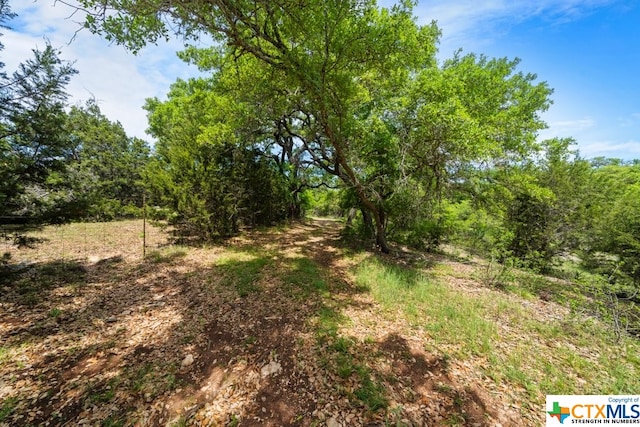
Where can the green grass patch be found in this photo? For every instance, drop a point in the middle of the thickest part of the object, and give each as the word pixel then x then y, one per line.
pixel 113 421
pixel 242 270
pixel 341 355
pixel 328 323
pixel 560 356
pixel 449 317
pixel 4 355
pixel 7 407
pixel 141 378
pixel 542 356
pixel 166 255
pixel 371 392
pixel 152 380
pixel 105 394
pixel 303 278
pixel 54 313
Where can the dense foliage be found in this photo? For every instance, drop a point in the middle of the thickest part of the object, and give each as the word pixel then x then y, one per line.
pixel 355 87
pixel 341 107
pixel 111 163
pixel 209 172
pixel 33 144
pixel 61 163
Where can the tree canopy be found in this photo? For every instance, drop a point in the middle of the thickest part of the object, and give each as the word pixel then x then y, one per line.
pixel 33 143
pixel 346 97
pixel 60 163
pixel 355 86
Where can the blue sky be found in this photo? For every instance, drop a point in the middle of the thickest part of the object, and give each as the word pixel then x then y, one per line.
pixel 587 50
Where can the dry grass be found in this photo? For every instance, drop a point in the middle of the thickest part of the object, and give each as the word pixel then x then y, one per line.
pixel 89 242
pixel 280 327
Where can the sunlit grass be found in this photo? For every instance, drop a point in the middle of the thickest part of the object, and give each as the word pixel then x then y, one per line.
pixel 303 278
pixel 449 317
pixel 337 354
pixel 242 269
pixel 537 355
pixel 167 255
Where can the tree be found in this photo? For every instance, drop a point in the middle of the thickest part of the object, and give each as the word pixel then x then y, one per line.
pixel 211 178
pixel 346 72
pixel 113 161
pixel 616 226
pixel 624 232
pixel 456 124
pixel 33 138
pixel 322 51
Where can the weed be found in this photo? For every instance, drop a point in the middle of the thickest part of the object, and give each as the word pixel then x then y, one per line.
pixel 394 418
pixel 166 255
pixel 171 381
pixel 498 274
pixel 140 379
pixel 339 359
pixel 181 422
pixel 345 366
pixel 304 278
pixel 7 407
pixel 371 392
pixel 468 325
pixel 30 298
pixel 187 338
pixel 328 322
pixel 342 345
pixel 107 394
pixel 54 313
pixel 4 355
pixel 234 421
pixel 455 419
pixel 112 421
pixel 242 270
pixel 449 316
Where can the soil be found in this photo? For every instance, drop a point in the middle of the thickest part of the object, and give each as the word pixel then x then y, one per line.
pixel 108 338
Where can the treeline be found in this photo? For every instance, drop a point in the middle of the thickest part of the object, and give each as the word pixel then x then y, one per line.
pixel 61 162
pixel 339 107
pixel 553 209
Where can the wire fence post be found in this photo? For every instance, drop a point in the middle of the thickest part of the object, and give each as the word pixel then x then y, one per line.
pixel 144 225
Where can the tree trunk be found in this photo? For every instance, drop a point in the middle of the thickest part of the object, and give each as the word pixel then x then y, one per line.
pixel 381 232
pixel 349 176
pixel 367 219
pixel 350 216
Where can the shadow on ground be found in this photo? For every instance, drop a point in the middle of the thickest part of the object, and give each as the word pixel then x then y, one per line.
pixel 242 334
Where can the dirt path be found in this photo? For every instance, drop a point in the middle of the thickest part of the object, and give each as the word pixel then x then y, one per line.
pixel 266 330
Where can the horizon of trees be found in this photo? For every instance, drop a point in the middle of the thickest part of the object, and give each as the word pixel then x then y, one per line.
pixel 338 107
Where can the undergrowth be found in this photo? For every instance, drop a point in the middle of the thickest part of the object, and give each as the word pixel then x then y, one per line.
pixel 572 355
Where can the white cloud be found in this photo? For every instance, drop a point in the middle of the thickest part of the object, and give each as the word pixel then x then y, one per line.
pixel 564 128
pixel 578 125
pixel 630 121
pixel 474 23
pixel 119 80
pixel 628 150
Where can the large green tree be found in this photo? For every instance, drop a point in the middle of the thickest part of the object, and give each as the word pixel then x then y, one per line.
pixel 33 138
pixel 206 168
pixel 112 161
pixel 329 53
pixel 456 123
pixel 615 209
pixel 357 86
